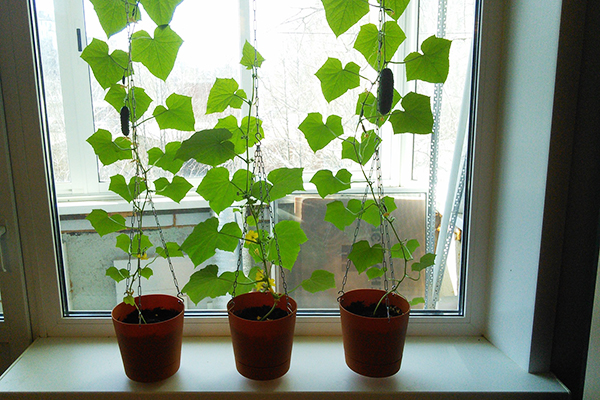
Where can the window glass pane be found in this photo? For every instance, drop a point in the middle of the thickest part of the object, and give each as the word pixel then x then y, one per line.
pixel 295 40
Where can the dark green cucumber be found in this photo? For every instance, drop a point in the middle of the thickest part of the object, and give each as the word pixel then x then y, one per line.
pixel 385 92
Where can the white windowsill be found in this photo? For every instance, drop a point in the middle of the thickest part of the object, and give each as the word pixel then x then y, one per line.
pixel 432 368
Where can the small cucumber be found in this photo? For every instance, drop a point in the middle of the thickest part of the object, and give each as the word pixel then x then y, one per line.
pixel 385 92
pixel 125 120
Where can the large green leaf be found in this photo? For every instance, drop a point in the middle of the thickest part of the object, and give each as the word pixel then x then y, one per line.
pixel 224 93
pixel 327 183
pixel 210 146
pixel 172 249
pixel 319 280
pixel 285 181
pixel 166 160
pixel 109 151
pixel 341 15
pixel 117 275
pixel 367 43
pixel 243 136
pixel 219 190
pixel 427 260
pixel 361 152
pixel 175 190
pixel 206 238
pixel 107 68
pixel 335 80
pixel 250 55
pixel 138 245
pixel 405 250
pixel 395 8
pixel 117 97
pixel 158 54
pixel 207 283
pixel 364 256
pixel 416 117
pixel 339 215
pixel 289 238
pixel 431 66
pixel 179 114
pixel 370 211
pixel 104 223
pixel 113 14
pixel 161 11
pixel 129 191
pixel 319 134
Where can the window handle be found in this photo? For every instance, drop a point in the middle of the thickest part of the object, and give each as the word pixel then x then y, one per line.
pixel 2 232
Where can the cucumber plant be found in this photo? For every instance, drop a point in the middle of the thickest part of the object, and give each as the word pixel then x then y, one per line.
pixel 116 72
pixel 250 190
pixel 407 113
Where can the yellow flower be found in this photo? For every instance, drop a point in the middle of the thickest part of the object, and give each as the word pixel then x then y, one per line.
pixel 263 283
pixel 251 236
pixel 142 256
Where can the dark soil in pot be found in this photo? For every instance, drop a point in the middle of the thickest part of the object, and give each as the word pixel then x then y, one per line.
pixel 154 315
pixel 372 311
pixel 257 313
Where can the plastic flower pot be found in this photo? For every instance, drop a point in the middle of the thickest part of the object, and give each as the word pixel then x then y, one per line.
pixel 150 352
pixel 373 346
pixel 262 349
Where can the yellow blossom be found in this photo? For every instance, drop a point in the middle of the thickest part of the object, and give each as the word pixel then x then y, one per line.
pixel 263 284
pixel 251 236
pixel 142 256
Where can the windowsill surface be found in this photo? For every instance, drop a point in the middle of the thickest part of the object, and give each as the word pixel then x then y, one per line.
pixel 432 368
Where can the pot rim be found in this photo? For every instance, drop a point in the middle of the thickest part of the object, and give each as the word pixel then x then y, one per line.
pixel 399 296
pixel 122 304
pixel 291 312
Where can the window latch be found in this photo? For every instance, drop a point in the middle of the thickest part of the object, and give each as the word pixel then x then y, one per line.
pixel 2 232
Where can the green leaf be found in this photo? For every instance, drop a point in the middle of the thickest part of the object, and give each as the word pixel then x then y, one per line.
pixel 341 15
pixel 431 66
pixel 107 68
pixel 112 14
pixel 206 238
pixel 240 133
pixel 335 80
pixel 117 274
pixel 127 191
pixel 206 283
pixel 285 181
pixel 395 8
pixel 218 189
pixel 367 43
pixel 405 250
pixel 250 55
pixel 123 243
pixel 224 93
pixel 319 280
pixel 173 249
pixel 374 272
pixel 210 146
pixel 361 152
pixel 166 160
pixel 366 106
pixel 117 97
pixel 416 301
pixel 364 256
pixel 179 114
pixel 146 272
pixel 289 237
pixel 175 190
pixel 339 215
pixel 319 134
pixel 327 184
pixel 104 223
pixel 140 244
pixel 426 261
pixel 158 54
pixel 108 151
pixel 161 11
pixel 416 117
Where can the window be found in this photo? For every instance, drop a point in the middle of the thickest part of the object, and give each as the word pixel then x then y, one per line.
pixel 427 180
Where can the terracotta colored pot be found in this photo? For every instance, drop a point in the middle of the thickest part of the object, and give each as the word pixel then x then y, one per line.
pixel 150 352
pixel 373 346
pixel 262 349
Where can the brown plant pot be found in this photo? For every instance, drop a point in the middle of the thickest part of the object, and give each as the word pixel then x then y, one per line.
pixel 150 352
pixel 373 346
pixel 262 349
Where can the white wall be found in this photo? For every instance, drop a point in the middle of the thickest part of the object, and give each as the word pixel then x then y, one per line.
pixel 530 47
pixel 592 373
